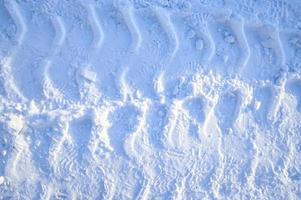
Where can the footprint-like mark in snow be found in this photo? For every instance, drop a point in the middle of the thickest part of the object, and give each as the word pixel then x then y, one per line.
pixel 227 110
pixel 156 121
pixel 187 46
pixel 62 154
pixel 86 78
pixel 176 129
pixel 165 20
pixel 265 176
pixel 28 61
pixel 49 89
pixel 115 44
pixel 231 47
pixel 124 122
pixel 291 42
pixel 128 14
pixel 197 110
pixel 7 46
pixel 20 163
pixel 76 34
pixel 267 54
pixel 263 97
pixel 41 143
pixel 294 87
pixel 153 48
pixel 80 131
pixel 21 29
pixel 7 32
pixel 7 148
pixel 195 107
pixel 98 33
pixel 44 137
pixel 18 18
pixel 206 43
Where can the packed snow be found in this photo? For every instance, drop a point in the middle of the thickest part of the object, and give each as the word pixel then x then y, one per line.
pixel 150 99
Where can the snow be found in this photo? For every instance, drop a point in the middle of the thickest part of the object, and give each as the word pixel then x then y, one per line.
pixel 150 99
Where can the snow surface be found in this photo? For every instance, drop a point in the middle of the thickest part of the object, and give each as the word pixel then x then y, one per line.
pixel 150 99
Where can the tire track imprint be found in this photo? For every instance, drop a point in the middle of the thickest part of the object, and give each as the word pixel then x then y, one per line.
pixel 127 12
pixel 15 12
pixel 209 39
pixel 96 26
pixel 166 23
pixel 86 78
pixel 142 44
pixel 166 107
pixel 73 51
pixel 49 90
pixel 227 29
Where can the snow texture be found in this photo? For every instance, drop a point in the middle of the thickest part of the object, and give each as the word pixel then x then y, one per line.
pixel 150 99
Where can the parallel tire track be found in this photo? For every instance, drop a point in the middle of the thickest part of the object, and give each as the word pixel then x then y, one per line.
pixel 138 142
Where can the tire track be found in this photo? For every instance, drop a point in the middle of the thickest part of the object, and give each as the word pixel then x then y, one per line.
pixel 127 12
pixel 139 76
pixel 60 35
pixel 135 46
pixel 227 30
pixel 238 27
pixel 267 55
pixel 147 64
pixel 200 37
pixel 28 64
pixel 114 51
pixel 15 12
pixel 10 84
pixel 74 51
pixel 164 19
pixel 86 78
pixel 49 90
pixel 167 25
pixel 211 44
pixel 98 33
pixel 180 69
pixel 174 86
